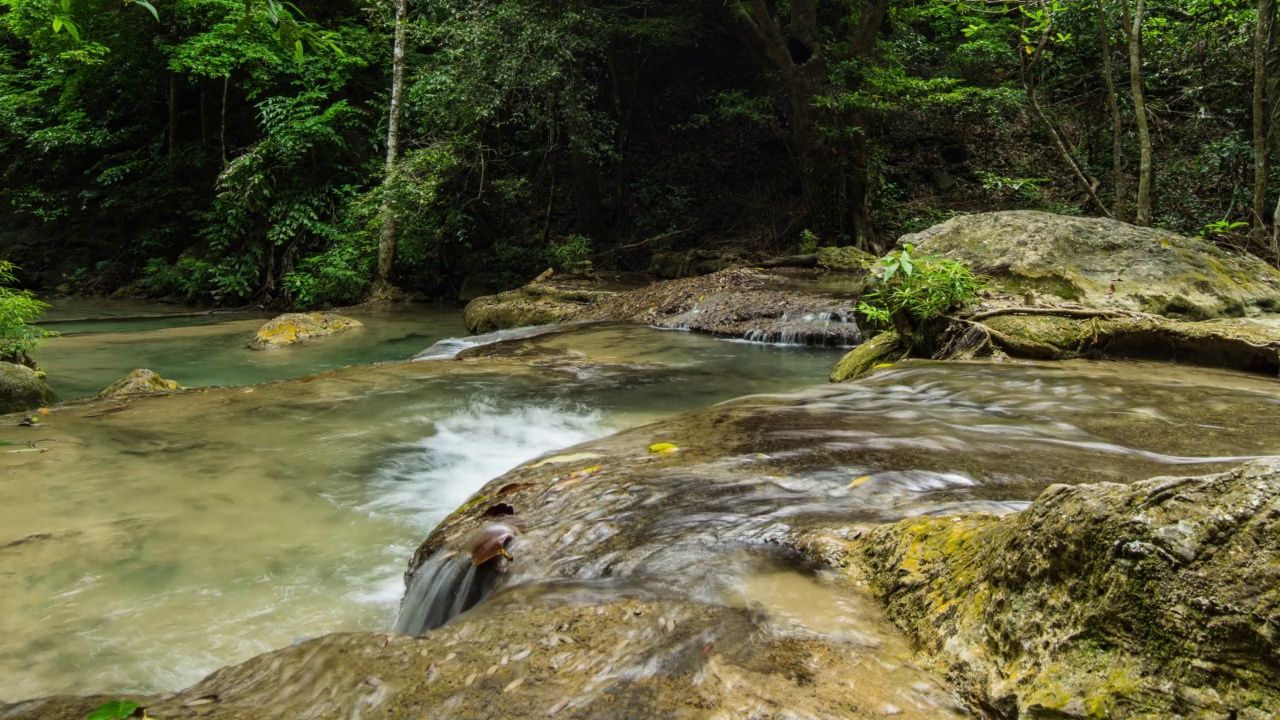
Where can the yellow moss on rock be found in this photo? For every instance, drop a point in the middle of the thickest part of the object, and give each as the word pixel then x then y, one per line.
pixel 296 328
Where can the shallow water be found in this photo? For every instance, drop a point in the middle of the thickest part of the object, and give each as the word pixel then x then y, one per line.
pixel 213 349
pixel 162 538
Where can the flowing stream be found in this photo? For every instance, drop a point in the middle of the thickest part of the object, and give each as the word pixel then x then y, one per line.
pixel 158 539
pixel 162 538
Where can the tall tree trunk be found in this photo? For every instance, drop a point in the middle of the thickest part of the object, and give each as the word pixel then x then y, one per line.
pixel 1117 124
pixel 204 120
pixel 173 113
pixel 1263 39
pixel 387 238
pixel 1146 173
pixel 836 194
pixel 222 128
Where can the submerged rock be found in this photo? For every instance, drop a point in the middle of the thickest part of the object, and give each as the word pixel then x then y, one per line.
pixel 296 328
pixel 139 382
pixel 22 388
pixel 1105 264
pixel 1159 599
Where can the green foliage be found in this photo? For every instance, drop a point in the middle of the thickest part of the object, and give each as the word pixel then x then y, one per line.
pixel 1220 227
pixel 808 242
pixel 572 252
pixel 921 287
pixel 18 308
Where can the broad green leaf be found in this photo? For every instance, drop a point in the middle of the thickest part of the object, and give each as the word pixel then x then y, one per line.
pixel 889 271
pixel 148 6
pixel 71 28
pixel 114 710
pixel 297 50
pixel 57 24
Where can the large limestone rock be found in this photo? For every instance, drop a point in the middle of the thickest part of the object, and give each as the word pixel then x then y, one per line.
pixel 1159 599
pixel 22 389
pixel 1106 264
pixel 139 382
pixel 296 328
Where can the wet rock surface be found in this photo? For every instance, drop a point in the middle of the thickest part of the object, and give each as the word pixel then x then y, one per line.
pixel 139 382
pixel 22 389
pixel 297 328
pixel 741 302
pixel 1156 599
pixel 1105 264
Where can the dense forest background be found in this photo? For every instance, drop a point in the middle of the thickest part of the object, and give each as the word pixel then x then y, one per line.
pixel 235 152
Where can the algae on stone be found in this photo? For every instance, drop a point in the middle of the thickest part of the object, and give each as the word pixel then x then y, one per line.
pixel 1159 599
pixel 139 382
pixel 21 388
pixel 862 359
pixel 1106 264
pixel 296 328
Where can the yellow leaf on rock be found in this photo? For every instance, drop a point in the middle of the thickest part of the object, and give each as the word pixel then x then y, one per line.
pixel 858 481
pixel 663 448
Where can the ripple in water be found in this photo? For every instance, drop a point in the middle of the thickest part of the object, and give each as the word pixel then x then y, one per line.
pixel 430 478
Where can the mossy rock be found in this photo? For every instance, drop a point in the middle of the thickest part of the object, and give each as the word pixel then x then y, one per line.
pixel 1106 264
pixel 537 303
pixel 22 388
pixel 846 259
pixel 1238 344
pixel 862 359
pixel 139 382
pixel 1158 599
pixel 297 328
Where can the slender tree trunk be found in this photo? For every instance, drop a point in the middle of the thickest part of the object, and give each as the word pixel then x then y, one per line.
pixel 204 120
pixel 1262 40
pixel 387 238
pixel 222 129
pixel 173 114
pixel 1146 172
pixel 1028 63
pixel 1117 125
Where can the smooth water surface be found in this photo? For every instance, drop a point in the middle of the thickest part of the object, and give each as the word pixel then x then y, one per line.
pixel 161 538
pixel 213 349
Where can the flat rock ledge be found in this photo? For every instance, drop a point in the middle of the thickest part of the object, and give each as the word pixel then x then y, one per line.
pixel 297 328
pixel 740 302
pixel 1159 599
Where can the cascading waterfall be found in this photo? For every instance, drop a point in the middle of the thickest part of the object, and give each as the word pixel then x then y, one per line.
pixel 824 328
pixel 450 582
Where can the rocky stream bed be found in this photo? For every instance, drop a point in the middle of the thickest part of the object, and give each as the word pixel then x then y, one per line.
pixel 991 527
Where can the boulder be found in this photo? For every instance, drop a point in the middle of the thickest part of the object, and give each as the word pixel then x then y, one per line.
pixel 1159 599
pixel 846 259
pixel 296 328
pixel 538 303
pixel 1105 264
pixel 22 388
pixel 139 382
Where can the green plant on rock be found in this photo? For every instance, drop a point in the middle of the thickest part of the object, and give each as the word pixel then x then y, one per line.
pixel 18 337
pixel 914 289
pixel 118 710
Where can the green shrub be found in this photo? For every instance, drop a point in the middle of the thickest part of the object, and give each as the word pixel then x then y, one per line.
pixel 339 276
pixel 917 289
pixel 18 337
pixel 808 242
pixel 575 250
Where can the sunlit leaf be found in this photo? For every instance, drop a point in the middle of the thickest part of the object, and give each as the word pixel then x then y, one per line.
pixel 663 448
pixel 148 6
